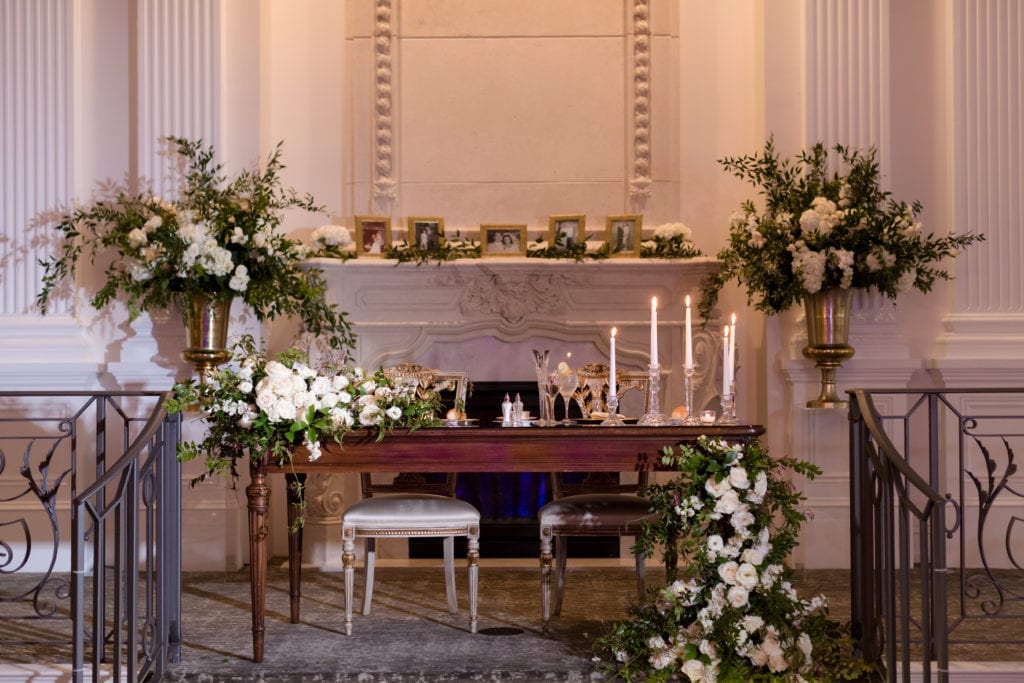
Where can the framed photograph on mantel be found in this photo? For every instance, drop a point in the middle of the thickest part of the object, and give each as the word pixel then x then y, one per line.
pixel 503 240
pixel 566 230
pixel 426 232
pixel 373 235
pixel 623 234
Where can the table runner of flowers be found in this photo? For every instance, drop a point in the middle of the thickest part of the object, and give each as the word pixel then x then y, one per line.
pixel 256 406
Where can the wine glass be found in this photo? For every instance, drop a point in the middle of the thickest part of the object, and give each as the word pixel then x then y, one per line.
pixel 551 393
pixel 567 383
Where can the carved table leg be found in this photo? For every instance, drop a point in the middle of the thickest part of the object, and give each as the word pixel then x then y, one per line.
pixel 295 483
pixel 258 494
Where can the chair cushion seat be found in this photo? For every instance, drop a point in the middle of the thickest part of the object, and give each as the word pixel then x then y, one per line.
pixel 607 513
pixel 409 511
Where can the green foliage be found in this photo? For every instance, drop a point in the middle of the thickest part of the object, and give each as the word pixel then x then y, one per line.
pixel 820 228
pixel 217 239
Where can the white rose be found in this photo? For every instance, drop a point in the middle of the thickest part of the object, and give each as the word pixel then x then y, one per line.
pixel 727 570
pixel 394 412
pixel 717 488
pixel 137 237
pixel 329 400
pixel 738 478
pixel 245 386
pixel 694 669
pixel 339 382
pixel 153 223
pixel 758 658
pixel 277 369
pixel 320 386
pixel 752 622
pixel 738 596
pixel 746 575
pixel 728 503
pixel 771 646
pixel 656 643
pixel 753 556
pixel 715 543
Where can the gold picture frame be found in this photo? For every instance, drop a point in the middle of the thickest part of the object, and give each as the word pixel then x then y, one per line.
pixel 497 240
pixel 571 225
pixel 425 232
pixel 623 234
pixel 373 235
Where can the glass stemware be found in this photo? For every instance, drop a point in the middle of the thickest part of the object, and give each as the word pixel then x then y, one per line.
pixel 551 393
pixel 567 383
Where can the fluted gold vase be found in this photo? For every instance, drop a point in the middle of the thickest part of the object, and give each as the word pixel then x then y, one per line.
pixel 828 335
pixel 206 320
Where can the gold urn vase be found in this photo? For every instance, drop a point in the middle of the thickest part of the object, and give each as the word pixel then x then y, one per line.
pixel 828 333
pixel 206 321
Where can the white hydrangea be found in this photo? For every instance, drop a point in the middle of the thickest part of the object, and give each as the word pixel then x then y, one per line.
pixel 332 236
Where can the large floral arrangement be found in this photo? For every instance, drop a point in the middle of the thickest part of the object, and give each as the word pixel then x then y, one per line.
pixel 217 239
pixel 256 406
pixel 819 229
pixel 733 614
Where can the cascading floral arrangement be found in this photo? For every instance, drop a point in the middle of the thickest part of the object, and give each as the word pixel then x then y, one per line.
pixel 256 406
pixel 733 613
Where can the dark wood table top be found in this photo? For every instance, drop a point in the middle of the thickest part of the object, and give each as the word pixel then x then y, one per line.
pixel 495 449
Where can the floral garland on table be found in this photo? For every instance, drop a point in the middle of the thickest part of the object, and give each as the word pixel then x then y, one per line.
pixel 448 250
pixel 218 239
pixel 256 406
pixel 734 614
pixel 821 229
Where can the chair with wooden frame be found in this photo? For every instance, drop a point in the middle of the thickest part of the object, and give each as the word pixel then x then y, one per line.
pixel 599 505
pixel 411 506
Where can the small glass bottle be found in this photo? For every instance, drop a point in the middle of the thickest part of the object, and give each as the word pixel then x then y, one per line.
pixel 506 412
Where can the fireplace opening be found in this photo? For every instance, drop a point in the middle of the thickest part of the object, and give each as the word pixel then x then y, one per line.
pixel 508 502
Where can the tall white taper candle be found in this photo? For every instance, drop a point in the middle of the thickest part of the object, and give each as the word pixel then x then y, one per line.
pixel 725 360
pixel 611 366
pixel 689 337
pixel 654 330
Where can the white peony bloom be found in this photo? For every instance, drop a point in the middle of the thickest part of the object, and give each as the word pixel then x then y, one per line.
pixel 339 382
pixel 728 503
pixel 320 386
pixel 277 369
pixel 753 556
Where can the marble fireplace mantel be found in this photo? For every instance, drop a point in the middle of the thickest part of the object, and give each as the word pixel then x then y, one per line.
pixel 485 316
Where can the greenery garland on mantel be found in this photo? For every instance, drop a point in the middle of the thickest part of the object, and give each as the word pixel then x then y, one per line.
pixel 672 241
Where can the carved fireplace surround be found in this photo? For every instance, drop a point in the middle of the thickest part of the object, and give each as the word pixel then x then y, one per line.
pixel 485 316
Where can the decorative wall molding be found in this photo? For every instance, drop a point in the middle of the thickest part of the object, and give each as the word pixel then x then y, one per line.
pixel 178 82
pixel 847 66
pixel 385 189
pixel 36 144
pixel 640 184
pixel 988 172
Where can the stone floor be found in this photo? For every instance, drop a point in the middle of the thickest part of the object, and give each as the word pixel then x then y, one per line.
pixel 410 636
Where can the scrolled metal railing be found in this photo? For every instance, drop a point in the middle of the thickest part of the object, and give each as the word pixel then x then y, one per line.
pixel 102 466
pixel 932 497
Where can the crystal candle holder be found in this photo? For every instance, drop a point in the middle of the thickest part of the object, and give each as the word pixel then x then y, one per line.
pixel 613 419
pixel 653 417
pixel 691 419
pixel 728 416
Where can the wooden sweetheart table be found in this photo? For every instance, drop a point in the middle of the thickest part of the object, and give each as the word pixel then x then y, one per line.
pixel 460 449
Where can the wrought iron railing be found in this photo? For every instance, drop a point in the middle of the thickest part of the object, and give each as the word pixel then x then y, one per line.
pixel 90 530
pixel 937 530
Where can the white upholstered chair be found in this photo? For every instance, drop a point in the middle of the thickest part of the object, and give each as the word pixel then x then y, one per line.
pixel 413 506
pixel 599 505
